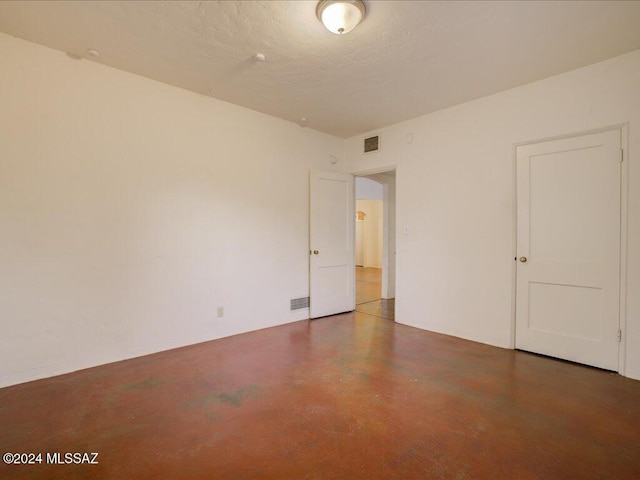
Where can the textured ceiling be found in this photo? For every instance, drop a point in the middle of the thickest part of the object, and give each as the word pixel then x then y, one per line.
pixel 406 59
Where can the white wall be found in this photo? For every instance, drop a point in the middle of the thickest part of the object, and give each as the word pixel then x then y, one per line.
pixel 130 210
pixel 389 237
pixel 455 196
pixel 367 189
pixel 372 233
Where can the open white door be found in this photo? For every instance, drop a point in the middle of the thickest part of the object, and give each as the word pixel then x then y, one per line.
pixel 332 267
pixel 568 229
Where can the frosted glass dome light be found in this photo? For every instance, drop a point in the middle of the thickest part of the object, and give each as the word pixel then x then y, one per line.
pixel 340 16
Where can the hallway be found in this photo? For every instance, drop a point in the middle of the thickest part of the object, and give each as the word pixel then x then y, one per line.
pixel 368 288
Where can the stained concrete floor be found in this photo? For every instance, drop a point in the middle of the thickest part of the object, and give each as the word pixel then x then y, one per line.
pixel 352 396
pixel 368 294
pixel 368 284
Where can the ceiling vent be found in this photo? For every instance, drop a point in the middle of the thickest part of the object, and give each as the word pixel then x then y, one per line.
pixel 371 144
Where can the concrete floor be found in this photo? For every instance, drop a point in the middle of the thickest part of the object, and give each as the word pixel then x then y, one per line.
pixel 368 293
pixel 352 396
pixel 368 284
pixel 346 397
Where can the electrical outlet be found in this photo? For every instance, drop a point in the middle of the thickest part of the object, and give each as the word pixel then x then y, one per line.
pixel 220 312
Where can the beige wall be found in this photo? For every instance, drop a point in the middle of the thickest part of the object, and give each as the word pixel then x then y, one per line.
pixel 130 210
pixel 456 191
pixel 371 232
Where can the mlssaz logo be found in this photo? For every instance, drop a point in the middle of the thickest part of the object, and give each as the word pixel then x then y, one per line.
pixel 76 458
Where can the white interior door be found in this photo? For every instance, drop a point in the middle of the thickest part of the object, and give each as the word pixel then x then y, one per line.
pixel 568 247
pixel 332 267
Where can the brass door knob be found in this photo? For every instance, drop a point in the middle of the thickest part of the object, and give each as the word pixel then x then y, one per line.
pixel 523 259
pixel 315 252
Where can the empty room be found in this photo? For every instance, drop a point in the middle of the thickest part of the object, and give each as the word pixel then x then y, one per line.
pixel 336 239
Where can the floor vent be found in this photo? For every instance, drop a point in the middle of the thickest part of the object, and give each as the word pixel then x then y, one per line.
pixel 299 303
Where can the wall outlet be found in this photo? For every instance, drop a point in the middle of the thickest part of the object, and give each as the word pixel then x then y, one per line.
pixel 220 312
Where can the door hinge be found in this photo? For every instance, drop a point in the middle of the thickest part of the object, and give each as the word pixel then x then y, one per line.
pixel 621 155
pixel 619 335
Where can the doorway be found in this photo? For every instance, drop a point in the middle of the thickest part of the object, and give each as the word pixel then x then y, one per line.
pixel 375 244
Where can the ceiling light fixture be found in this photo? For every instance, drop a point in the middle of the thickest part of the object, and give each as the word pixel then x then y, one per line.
pixel 340 16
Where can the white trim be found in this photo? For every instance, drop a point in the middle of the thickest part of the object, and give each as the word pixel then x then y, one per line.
pixel 618 126
pixel 373 171
pixel 624 219
pixel 514 247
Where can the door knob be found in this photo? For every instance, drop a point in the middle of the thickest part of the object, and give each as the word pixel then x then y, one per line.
pixel 315 252
pixel 523 259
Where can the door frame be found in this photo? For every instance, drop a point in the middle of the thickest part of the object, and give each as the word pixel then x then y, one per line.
pixel 385 206
pixel 623 128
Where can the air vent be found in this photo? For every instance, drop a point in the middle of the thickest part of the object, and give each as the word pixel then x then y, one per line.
pixel 371 144
pixel 299 303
